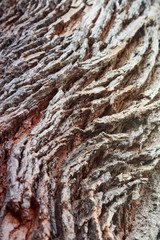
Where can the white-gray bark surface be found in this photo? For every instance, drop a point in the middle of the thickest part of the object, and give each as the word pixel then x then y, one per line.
pixel 79 119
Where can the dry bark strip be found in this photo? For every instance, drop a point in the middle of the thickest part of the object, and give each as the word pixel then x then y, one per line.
pixel 79 119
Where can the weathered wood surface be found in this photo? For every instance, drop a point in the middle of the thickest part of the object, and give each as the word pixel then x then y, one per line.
pixel 80 119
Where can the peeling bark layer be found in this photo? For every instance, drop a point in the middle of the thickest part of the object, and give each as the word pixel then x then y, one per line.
pixel 80 113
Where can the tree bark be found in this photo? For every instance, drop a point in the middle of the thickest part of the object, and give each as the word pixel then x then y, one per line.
pixel 80 113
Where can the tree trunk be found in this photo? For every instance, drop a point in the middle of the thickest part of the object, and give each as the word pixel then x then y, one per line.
pixel 80 113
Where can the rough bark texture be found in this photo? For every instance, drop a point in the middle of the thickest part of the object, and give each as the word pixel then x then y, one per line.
pixel 80 119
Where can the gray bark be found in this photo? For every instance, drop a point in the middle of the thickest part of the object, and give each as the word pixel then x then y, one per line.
pixel 80 114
